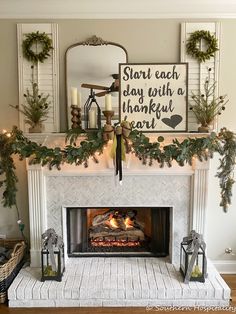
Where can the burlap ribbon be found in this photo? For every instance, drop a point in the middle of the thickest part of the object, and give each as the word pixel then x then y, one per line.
pixel 194 242
pixel 120 135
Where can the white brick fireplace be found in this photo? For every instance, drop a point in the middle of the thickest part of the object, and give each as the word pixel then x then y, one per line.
pixel 183 189
pixel 117 281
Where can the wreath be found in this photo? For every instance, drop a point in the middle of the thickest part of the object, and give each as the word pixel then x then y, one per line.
pixel 37 38
pixel 194 50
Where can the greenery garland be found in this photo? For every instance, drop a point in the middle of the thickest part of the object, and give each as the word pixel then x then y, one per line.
pixel 194 43
pixel 182 152
pixel 37 38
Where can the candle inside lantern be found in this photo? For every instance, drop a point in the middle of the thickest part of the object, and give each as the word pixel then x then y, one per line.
pixel 92 119
pixel 74 96
pixel 108 106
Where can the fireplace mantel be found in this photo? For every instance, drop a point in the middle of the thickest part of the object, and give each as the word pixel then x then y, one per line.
pixel 39 182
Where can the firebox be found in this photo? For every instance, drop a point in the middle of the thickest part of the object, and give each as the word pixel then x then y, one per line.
pixel 123 231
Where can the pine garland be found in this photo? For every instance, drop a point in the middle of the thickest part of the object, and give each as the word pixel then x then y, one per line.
pixel 148 152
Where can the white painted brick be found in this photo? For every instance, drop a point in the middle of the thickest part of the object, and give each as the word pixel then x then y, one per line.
pixel 44 291
pixel 28 289
pixel 117 282
pixel 89 303
pixel 137 293
pixel 161 293
pixel 20 290
pixel 105 293
pixel 145 293
pixel 129 294
pixel 60 290
pixel 83 293
pixel 67 303
pixel 36 290
pixel 52 293
pixel 120 294
pixel 31 303
pixel 12 289
pixel 113 293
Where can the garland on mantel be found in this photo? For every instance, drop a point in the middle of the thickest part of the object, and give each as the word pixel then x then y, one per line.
pixel 15 143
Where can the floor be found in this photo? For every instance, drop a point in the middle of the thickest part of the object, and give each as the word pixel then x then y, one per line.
pixel 120 282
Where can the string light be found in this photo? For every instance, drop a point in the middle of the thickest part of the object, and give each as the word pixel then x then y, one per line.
pixel 4 131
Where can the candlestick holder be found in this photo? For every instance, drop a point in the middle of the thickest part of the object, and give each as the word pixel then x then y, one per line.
pixel 76 117
pixel 108 114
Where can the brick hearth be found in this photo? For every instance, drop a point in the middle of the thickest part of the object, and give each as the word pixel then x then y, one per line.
pixel 117 282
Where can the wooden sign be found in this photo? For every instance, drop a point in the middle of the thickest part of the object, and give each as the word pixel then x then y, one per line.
pixel 153 97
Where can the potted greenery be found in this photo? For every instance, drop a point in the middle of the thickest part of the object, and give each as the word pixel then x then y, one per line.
pixel 35 109
pixel 207 106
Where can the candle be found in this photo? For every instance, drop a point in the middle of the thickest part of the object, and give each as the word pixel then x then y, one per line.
pixel 108 106
pixel 79 99
pixel 74 96
pixel 92 119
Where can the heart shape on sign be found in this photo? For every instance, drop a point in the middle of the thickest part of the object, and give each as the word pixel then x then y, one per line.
pixel 173 121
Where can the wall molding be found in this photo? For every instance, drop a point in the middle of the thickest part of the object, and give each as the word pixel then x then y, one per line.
pixel 225 266
pixel 104 9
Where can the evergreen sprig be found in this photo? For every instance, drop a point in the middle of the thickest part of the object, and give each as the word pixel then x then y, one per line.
pixel 36 108
pixel 226 168
pixel 206 105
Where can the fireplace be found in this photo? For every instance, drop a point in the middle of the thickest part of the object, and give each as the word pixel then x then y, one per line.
pixel 51 193
pixel 123 231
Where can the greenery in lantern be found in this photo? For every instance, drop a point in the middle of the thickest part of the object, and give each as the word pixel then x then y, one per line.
pixel 206 105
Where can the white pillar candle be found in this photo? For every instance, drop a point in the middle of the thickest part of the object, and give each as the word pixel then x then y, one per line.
pixel 108 106
pixel 74 96
pixel 92 119
pixel 79 99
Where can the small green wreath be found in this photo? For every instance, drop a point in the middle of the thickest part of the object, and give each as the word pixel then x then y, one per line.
pixel 37 38
pixel 194 43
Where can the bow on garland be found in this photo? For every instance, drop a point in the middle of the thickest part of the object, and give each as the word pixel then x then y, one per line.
pixel 120 146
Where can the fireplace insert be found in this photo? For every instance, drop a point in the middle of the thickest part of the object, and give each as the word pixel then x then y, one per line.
pixel 122 231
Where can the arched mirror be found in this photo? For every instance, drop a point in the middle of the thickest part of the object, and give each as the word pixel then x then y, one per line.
pixel 93 64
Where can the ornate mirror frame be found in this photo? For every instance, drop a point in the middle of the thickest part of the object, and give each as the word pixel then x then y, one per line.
pixel 93 69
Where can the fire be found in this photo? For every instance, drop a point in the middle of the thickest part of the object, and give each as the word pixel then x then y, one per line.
pixel 128 223
pixel 113 223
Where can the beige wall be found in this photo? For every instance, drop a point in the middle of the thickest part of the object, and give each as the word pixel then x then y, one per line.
pixel 145 41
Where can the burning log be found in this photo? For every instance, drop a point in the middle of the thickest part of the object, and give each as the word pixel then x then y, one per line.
pixel 118 225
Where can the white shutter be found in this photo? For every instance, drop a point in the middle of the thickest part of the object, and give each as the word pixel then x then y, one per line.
pixel 199 71
pixel 46 74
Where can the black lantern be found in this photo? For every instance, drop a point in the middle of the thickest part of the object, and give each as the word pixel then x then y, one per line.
pixel 92 113
pixel 52 256
pixel 193 263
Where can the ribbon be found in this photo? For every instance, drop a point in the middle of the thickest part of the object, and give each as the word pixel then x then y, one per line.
pixel 51 240
pixel 119 148
pixel 194 242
